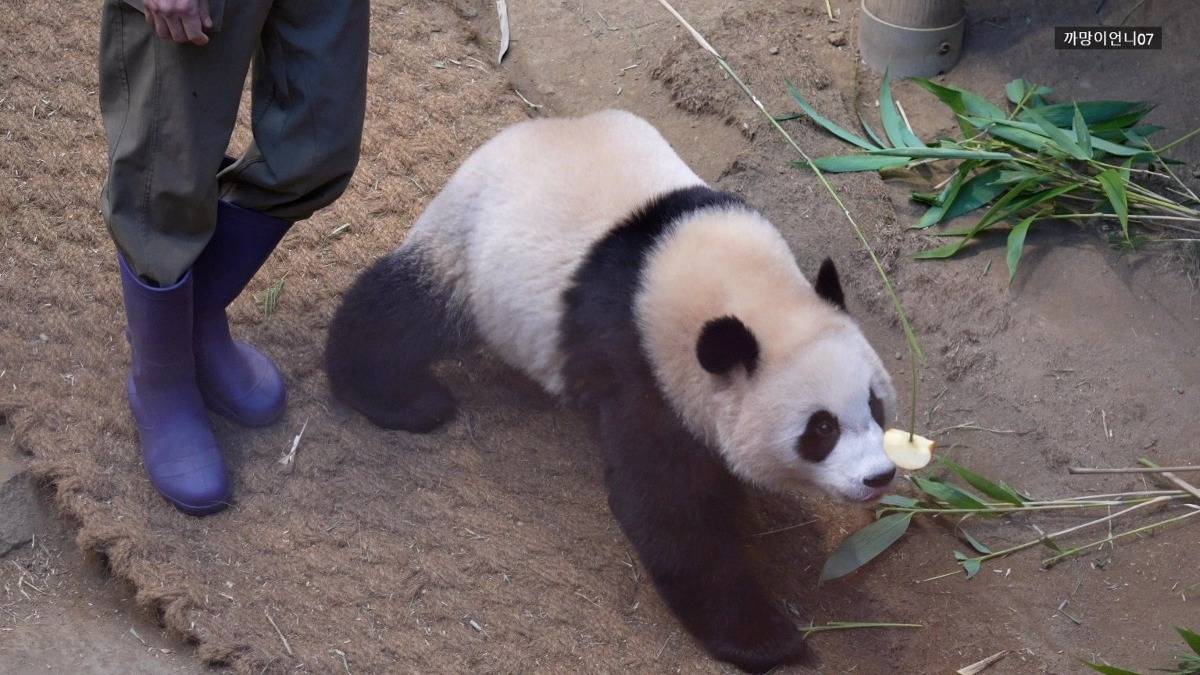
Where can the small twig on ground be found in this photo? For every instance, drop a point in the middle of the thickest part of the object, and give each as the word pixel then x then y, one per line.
pixel 287 647
pixel 980 666
pixel 971 426
pixel 784 528
pixel 663 648
pixel 289 458
pixel 531 104
pixel 851 625
pixel 1062 610
pixel 342 655
pixel 606 23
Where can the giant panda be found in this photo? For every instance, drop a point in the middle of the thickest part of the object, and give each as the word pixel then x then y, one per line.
pixel 585 253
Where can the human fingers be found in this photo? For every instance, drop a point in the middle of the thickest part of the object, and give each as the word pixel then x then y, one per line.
pixel 194 30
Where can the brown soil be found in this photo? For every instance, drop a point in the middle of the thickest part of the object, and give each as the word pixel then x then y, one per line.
pixel 488 546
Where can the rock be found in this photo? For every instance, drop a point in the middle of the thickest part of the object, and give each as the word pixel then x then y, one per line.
pixel 19 508
pixel 773 50
pixel 838 38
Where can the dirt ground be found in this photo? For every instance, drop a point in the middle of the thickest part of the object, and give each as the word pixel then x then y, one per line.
pixel 488 546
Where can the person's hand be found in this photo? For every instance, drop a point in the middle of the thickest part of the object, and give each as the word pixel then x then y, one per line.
pixel 179 20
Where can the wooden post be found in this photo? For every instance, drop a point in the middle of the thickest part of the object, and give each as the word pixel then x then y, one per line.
pixel 911 38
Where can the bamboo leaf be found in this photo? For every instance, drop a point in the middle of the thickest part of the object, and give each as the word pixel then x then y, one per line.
pixel 1016 90
pixel 1015 245
pixel 871 132
pixel 1039 198
pixel 1114 189
pixel 1114 148
pixel 1082 136
pixel 1000 209
pixel 927 198
pixel 1094 112
pixel 940 153
pixel 949 494
pixel 975 193
pixel 851 163
pixel 941 252
pixel 1011 176
pixel 961 101
pixel 979 546
pixel 864 545
pixel 893 125
pixel 1060 137
pixel 991 489
pixel 971 566
pixel 1034 137
pixel 1108 670
pixel 1192 639
pixel 1022 137
pixel 827 123
pixel 899 500
pixel 937 210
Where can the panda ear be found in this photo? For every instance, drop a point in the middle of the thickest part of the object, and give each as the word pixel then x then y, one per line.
pixel 725 343
pixel 828 286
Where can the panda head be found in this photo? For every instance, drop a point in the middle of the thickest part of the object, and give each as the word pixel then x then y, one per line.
pixel 809 411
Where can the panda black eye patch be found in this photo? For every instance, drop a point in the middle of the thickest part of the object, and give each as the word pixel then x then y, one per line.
pixel 820 436
pixel 876 408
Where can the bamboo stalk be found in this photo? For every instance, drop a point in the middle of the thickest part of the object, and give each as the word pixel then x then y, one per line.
pixel 1050 537
pixel 1048 562
pixel 1188 487
pixel 1132 469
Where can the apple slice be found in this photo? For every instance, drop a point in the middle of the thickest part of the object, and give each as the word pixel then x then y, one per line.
pixel 907 451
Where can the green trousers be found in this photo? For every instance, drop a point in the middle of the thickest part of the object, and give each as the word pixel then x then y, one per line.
pixel 169 110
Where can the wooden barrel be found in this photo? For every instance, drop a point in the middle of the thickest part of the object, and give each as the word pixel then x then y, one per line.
pixel 911 38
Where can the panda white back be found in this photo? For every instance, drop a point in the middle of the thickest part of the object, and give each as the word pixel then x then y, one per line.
pixel 516 220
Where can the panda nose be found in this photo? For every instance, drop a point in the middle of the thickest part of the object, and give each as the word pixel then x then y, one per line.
pixel 880 479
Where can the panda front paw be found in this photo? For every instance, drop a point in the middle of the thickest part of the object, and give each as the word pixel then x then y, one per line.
pixel 761 643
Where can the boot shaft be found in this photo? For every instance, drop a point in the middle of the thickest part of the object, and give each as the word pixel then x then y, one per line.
pixel 158 326
pixel 239 246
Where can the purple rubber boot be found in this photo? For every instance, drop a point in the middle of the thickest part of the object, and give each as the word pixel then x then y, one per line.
pixel 236 380
pixel 178 447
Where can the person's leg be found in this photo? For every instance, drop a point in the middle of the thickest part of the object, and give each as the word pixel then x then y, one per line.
pixel 309 97
pixel 169 110
pixel 168 113
pixel 310 84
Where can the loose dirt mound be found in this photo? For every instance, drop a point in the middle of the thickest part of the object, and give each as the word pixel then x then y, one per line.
pixel 488 546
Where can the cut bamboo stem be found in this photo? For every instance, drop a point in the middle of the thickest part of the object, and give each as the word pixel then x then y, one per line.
pixel 1133 469
pixel 1166 473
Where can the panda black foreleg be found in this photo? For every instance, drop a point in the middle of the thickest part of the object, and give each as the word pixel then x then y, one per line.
pixel 390 327
pixel 681 508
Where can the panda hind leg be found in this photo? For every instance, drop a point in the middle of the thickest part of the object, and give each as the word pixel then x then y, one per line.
pixel 393 324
